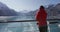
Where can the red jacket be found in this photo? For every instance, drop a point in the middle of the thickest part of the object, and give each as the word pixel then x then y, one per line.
pixel 41 17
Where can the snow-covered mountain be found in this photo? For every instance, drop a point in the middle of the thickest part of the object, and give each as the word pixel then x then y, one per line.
pixel 5 11
pixel 53 12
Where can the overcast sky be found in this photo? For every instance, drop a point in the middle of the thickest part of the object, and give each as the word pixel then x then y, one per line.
pixel 19 5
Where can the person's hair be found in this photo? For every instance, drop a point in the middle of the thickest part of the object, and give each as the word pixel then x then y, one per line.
pixel 41 7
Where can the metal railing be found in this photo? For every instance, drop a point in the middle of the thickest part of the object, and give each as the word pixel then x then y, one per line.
pixel 51 21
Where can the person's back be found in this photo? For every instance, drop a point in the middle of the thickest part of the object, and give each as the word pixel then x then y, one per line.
pixel 41 19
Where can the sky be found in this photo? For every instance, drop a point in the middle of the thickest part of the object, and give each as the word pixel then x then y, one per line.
pixel 19 5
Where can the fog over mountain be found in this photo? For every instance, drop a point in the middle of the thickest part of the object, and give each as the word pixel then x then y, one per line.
pixel 5 11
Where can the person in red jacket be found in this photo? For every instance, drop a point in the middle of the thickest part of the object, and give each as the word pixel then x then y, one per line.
pixel 41 19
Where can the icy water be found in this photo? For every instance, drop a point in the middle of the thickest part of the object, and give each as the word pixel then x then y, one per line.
pixel 19 27
pixel 26 26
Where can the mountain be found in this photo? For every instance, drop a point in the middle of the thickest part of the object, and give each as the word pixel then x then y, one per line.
pixel 54 11
pixel 28 15
pixel 6 11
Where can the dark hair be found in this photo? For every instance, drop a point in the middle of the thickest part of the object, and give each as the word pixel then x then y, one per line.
pixel 41 7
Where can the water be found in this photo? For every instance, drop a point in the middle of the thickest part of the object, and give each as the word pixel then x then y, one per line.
pixel 54 27
pixel 18 27
pixel 25 26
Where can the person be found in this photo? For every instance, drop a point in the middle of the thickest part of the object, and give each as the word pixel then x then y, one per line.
pixel 41 19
